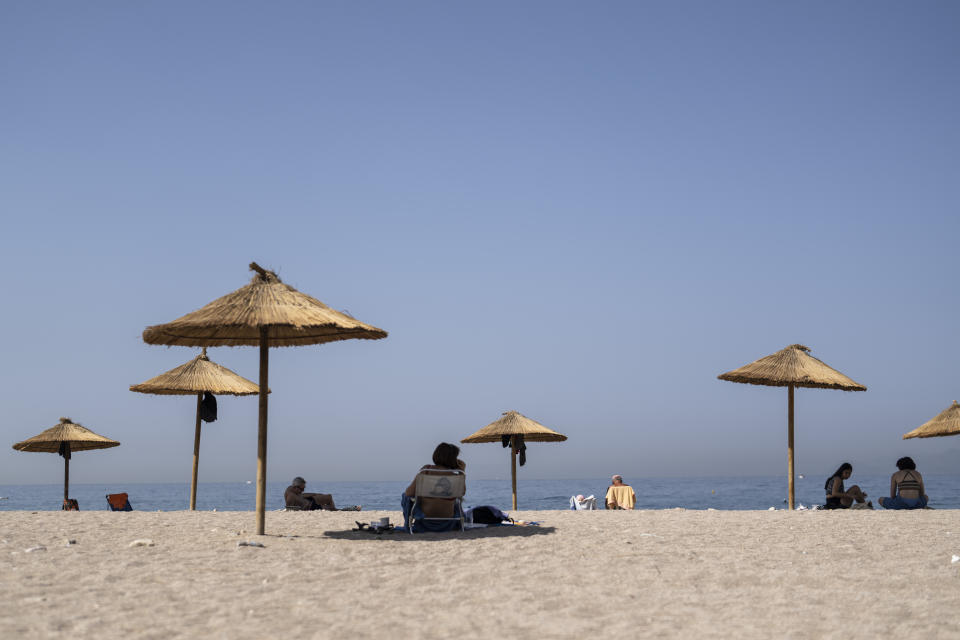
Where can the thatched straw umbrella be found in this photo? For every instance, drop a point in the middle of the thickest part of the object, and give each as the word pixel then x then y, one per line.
pixel 65 438
pixel 947 423
pixel 265 313
pixel 518 429
pixel 198 376
pixel 791 367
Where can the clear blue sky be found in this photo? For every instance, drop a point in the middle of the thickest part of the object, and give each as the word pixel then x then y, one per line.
pixel 582 212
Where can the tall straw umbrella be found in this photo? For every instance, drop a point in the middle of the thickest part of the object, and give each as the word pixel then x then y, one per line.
pixel 265 313
pixel 65 438
pixel 946 423
pixel 791 367
pixel 513 425
pixel 198 376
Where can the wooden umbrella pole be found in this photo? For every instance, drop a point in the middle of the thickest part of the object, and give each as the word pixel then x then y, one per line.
pixel 262 430
pixel 513 468
pixel 790 487
pixel 196 456
pixel 66 471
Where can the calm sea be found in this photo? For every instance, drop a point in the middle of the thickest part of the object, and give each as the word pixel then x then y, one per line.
pixel 653 493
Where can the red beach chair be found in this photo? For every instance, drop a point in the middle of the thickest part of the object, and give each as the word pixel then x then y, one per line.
pixel 118 502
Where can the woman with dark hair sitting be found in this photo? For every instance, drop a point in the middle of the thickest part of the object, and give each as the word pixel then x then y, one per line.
pixel 906 487
pixel 837 496
pixel 444 459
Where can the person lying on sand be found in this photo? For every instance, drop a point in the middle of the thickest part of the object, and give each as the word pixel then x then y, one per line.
pixel 296 498
pixel 837 496
pixel 906 487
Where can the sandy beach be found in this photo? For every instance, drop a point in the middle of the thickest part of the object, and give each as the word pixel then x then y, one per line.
pixel 674 573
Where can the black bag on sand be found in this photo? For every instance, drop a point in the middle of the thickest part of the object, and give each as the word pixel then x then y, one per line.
pixel 489 515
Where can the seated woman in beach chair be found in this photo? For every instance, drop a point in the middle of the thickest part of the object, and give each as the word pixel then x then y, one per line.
pixel 418 510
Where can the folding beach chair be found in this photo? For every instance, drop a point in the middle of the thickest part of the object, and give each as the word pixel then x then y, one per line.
pixel 69 504
pixel 442 485
pixel 118 502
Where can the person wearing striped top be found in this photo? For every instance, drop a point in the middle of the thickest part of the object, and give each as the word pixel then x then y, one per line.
pixel 906 487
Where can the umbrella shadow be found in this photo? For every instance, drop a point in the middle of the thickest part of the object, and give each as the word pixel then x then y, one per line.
pixel 469 534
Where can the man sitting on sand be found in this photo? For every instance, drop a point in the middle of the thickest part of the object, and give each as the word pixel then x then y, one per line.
pixel 619 495
pixel 296 498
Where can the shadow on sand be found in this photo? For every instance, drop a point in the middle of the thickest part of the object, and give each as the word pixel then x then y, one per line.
pixel 469 534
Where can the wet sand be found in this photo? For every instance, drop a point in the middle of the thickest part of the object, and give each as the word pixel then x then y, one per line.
pixel 674 573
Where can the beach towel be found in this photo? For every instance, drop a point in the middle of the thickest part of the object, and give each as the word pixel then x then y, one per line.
pixel 521 447
pixel 623 496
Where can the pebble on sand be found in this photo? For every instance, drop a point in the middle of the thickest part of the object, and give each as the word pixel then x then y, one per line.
pixel 143 542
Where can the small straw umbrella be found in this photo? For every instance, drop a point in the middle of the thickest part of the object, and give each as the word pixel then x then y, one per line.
pixel 265 313
pixel 946 423
pixel 198 376
pixel 791 367
pixel 65 438
pixel 513 425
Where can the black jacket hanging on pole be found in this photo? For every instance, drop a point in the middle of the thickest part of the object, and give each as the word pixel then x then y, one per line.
pixel 208 407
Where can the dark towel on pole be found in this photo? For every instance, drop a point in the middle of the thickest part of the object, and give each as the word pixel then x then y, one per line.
pixel 208 407
pixel 521 447
pixel 522 450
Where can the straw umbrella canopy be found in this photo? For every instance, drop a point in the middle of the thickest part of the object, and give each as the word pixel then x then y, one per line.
pixel 946 423
pixel 792 367
pixel 198 376
pixel 265 313
pixel 65 438
pixel 518 428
